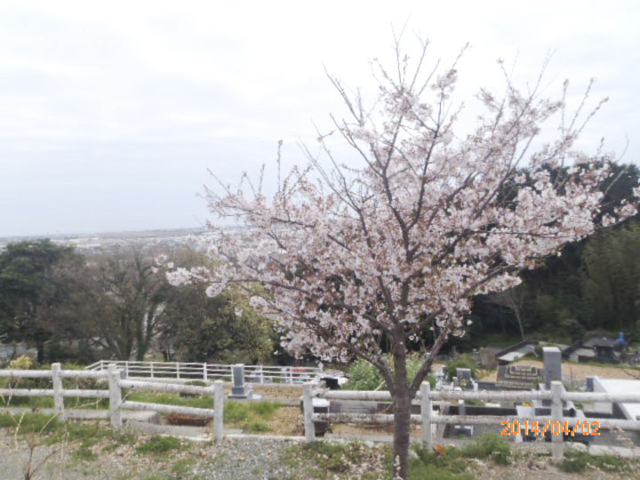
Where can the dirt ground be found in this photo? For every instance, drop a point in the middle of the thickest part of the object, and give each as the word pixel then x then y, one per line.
pixel 577 371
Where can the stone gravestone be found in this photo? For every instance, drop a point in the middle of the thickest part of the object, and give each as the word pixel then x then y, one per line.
pixel 487 359
pixel 552 357
pixel 463 373
pixel 239 389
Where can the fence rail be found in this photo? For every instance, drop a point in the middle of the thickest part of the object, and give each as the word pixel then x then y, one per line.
pixel 117 402
pixel 427 417
pixel 254 374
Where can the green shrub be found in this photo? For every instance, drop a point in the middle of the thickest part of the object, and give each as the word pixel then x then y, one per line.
pixel 364 376
pixel 461 361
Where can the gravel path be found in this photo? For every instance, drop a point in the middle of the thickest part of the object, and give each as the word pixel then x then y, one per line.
pixel 231 460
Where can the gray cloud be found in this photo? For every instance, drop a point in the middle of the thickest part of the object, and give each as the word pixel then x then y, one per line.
pixel 110 114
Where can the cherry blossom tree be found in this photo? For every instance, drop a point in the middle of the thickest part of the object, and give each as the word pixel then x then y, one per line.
pixel 362 258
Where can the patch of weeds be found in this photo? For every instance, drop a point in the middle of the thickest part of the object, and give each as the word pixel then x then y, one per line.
pixel 171 399
pixel 576 461
pixel 489 446
pixel 258 470
pixel 86 433
pixel 250 416
pixel 29 422
pixel 325 460
pixel 84 454
pixel 125 438
pixel 265 410
pixel 428 465
pixel 183 467
pixel 235 412
pixel 78 402
pixel 451 465
pixel 158 445
pixel 196 383
pixel 255 426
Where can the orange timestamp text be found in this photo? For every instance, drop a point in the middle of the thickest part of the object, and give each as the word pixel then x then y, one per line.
pixel 536 428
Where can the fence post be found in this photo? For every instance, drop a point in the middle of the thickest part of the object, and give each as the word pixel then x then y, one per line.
pixel 178 370
pixel 151 369
pixel 218 410
pixel 115 398
pixel 556 416
pixel 204 371
pixel 58 398
pixel 126 369
pixel 307 409
pixel 425 410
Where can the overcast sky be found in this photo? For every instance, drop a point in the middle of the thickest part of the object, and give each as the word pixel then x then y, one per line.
pixel 112 112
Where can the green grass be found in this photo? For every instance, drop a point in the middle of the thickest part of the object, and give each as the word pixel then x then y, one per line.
pixel 50 431
pixel 236 412
pixel 250 416
pixel 576 461
pixel 157 445
pixel 30 422
pixel 170 399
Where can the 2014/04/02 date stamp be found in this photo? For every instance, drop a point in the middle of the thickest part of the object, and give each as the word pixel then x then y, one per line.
pixel 581 427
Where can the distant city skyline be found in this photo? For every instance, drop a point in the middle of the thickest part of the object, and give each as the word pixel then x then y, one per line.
pixel 111 113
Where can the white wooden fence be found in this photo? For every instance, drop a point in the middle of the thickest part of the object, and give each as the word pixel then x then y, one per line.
pixel 427 418
pixel 255 374
pixel 113 376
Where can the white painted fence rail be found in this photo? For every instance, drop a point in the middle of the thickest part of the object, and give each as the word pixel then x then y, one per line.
pixel 113 376
pixel 254 374
pixel 427 418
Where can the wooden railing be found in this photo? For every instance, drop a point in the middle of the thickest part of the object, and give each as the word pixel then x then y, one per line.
pixel 254 374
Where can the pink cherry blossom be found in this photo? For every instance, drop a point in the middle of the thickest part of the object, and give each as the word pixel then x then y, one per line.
pixel 355 260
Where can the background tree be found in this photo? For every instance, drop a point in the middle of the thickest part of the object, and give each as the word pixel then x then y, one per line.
pixel 33 285
pixel 513 301
pixel 128 297
pixel 381 250
pixel 223 329
pixel 611 280
pixel 557 297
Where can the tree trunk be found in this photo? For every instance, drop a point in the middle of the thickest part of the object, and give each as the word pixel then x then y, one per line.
pixel 40 352
pixel 402 414
pixel 516 311
pixel 401 434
